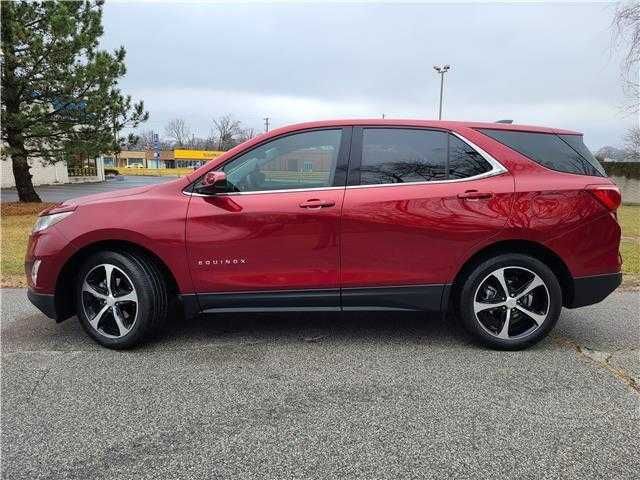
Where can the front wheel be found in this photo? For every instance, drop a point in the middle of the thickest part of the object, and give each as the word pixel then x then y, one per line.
pixel 120 297
pixel 510 301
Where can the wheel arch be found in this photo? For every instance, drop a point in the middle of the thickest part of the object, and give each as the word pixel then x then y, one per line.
pixel 525 247
pixel 64 290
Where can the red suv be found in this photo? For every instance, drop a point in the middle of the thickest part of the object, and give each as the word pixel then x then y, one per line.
pixel 502 224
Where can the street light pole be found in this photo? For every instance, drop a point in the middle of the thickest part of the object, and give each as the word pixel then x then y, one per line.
pixel 441 69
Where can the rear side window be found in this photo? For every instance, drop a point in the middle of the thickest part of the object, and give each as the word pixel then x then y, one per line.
pixel 564 153
pixel 397 155
pixel 464 160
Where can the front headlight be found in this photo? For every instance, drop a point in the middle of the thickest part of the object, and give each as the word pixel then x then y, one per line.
pixel 46 221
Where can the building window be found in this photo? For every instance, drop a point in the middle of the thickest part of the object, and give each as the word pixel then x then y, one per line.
pixel 189 163
pixel 135 162
pixel 82 168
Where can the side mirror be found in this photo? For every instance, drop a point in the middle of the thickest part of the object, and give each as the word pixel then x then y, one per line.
pixel 212 183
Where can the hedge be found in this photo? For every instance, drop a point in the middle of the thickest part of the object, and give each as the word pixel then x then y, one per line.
pixel 623 169
pixel 150 172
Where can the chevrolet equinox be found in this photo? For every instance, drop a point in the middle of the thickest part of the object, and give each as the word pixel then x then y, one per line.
pixel 500 224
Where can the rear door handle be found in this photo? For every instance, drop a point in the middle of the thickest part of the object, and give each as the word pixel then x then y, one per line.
pixel 475 195
pixel 317 203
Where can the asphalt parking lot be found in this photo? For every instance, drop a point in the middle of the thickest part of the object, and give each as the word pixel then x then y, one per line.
pixel 321 396
pixel 59 193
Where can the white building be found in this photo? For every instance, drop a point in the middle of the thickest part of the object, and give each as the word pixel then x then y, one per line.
pixel 58 173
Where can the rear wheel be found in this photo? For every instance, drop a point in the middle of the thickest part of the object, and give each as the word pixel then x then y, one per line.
pixel 510 301
pixel 120 297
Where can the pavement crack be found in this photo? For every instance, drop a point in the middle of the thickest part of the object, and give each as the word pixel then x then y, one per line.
pixel 43 376
pixel 315 338
pixel 38 382
pixel 602 359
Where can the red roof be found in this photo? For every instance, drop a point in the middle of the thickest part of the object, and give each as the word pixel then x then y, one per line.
pixel 422 123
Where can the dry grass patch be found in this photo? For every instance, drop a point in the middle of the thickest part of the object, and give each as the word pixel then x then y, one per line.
pixel 12 209
pixel 16 220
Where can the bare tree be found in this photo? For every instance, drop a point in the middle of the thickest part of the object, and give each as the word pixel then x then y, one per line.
pixel 226 129
pixel 626 30
pixel 245 134
pixel 632 144
pixel 145 139
pixel 178 131
pixel 199 143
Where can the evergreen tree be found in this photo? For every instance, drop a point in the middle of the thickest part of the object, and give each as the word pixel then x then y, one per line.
pixel 60 96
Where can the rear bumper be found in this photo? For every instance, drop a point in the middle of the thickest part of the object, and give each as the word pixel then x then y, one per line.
pixel 44 302
pixel 593 289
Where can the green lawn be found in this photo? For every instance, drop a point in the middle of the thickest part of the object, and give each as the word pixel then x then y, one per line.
pixel 17 221
pixel 629 218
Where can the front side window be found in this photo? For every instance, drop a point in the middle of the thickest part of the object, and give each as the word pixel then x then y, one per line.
pixel 301 160
pixel 396 155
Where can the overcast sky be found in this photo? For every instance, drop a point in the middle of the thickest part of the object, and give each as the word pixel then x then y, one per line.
pixel 546 64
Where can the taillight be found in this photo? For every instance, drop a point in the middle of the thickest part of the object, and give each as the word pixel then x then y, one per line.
pixel 608 195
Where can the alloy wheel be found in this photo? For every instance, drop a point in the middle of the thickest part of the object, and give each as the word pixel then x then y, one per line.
pixel 511 303
pixel 109 300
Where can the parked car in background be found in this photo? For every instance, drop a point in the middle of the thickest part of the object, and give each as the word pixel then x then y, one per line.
pixel 501 224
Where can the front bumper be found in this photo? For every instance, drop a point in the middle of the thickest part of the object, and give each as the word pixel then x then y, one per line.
pixel 593 289
pixel 44 302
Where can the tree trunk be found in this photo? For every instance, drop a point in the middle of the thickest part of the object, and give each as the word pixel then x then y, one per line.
pixel 12 131
pixel 24 185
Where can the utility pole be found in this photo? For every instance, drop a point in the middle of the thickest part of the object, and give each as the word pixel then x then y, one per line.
pixel 156 149
pixel 115 135
pixel 383 116
pixel 266 124
pixel 441 69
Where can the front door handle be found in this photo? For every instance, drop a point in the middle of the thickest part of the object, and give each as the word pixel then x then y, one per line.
pixel 317 203
pixel 475 195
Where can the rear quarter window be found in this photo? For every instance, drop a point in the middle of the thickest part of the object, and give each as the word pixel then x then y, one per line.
pixel 563 153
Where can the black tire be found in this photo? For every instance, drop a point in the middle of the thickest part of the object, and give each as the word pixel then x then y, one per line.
pixel 484 274
pixel 148 285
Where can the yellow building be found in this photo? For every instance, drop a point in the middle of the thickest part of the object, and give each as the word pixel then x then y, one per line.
pixel 177 158
pixel 193 158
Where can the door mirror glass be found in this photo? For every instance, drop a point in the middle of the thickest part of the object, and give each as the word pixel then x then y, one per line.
pixel 212 183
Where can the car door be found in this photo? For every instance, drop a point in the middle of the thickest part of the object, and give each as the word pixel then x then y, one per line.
pixel 270 241
pixel 417 200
